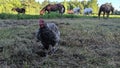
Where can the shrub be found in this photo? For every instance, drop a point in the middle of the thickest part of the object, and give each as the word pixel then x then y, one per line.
pixel 117 12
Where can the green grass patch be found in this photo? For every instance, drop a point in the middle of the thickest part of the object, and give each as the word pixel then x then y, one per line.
pixel 52 15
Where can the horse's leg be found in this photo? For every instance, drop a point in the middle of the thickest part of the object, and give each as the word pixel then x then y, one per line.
pixel 24 12
pixel 60 11
pixel 18 15
pixel 103 14
pixel 108 14
pixel 48 13
pixel 99 14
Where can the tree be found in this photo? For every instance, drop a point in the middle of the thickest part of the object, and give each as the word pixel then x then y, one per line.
pixel 7 5
pixel 84 3
pixel 45 2
pixel 31 5
pixel 65 4
pixel 81 7
pixel 93 4
pixel 71 5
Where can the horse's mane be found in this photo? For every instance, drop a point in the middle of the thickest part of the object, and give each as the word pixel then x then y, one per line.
pixel 106 5
pixel 45 7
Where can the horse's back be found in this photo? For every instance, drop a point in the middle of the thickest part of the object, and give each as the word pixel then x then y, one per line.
pixel 88 10
pixel 53 7
pixel 19 10
pixel 105 7
pixel 76 10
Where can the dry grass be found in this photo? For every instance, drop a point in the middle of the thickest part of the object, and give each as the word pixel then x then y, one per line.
pixel 85 43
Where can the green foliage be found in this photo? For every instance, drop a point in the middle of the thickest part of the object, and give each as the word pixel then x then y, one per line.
pixel 84 3
pixel 65 4
pixel 117 12
pixel 47 16
pixel 33 8
pixel 93 4
pixel 45 2
pixel 52 15
pixel 18 16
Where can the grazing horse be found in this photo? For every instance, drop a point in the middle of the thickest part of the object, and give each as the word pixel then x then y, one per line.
pixel 19 10
pixel 105 8
pixel 76 10
pixel 53 7
pixel 88 11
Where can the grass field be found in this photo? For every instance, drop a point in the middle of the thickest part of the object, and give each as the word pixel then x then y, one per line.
pixel 85 43
pixel 52 15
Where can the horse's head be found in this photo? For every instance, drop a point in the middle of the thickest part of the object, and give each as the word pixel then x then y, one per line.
pixel 43 9
pixel 42 12
pixel 13 9
pixel 112 9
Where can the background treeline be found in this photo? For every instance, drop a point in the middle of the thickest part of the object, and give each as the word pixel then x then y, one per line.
pixel 33 8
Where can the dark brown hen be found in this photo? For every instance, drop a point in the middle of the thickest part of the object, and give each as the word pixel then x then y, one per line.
pixel 48 34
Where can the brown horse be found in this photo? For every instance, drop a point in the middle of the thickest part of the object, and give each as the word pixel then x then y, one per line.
pixel 19 10
pixel 105 8
pixel 53 7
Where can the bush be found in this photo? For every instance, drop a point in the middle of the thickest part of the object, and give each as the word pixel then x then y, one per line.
pixel 5 16
pixel 18 16
pixel 52 15
pixel 117 12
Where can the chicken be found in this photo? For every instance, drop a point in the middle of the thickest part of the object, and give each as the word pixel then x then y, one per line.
pixel 49 35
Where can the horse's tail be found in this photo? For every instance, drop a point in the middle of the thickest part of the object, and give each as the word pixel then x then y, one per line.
pixel 63 8
pixel 99 12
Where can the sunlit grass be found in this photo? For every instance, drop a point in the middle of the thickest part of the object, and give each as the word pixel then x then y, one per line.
pixel 52 15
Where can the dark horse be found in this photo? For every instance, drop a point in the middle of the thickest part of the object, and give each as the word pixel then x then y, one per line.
pixel 19 10
pixel 105 8
pixel 53 7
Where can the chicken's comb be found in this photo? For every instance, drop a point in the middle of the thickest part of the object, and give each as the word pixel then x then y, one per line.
pixel 41 20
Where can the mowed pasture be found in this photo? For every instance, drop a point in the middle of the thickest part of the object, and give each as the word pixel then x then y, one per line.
pixel 85 43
